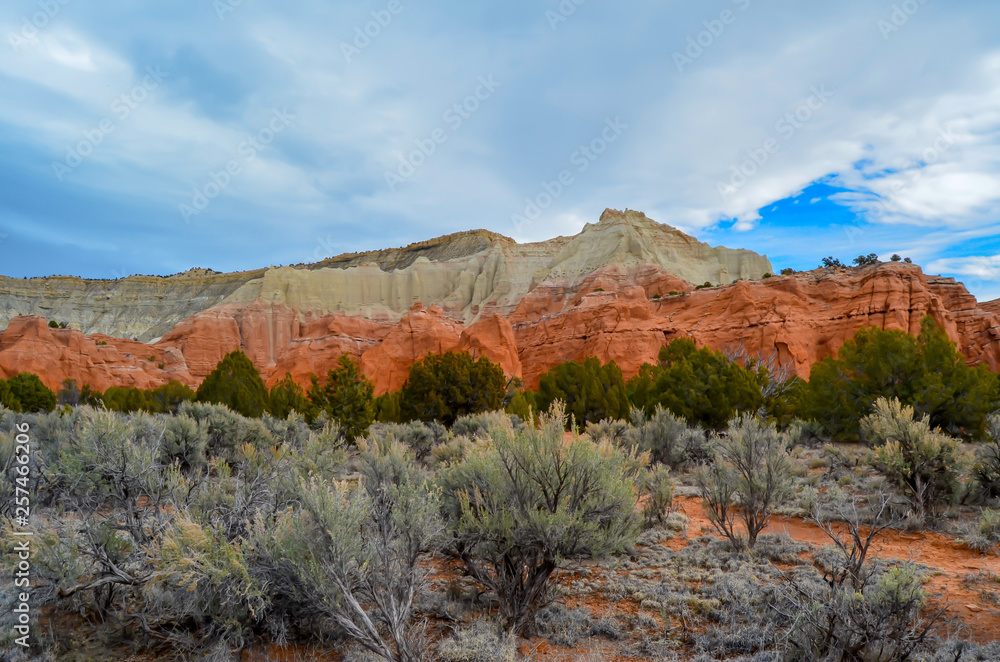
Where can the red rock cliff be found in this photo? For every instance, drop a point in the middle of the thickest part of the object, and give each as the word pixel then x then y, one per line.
pixel 616 313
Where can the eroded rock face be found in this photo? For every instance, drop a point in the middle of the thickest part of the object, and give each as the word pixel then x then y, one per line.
pixel 420 332
pixel 29 345
pixel 612 292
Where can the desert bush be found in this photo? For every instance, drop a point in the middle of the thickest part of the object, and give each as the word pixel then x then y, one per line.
pixel 226 429
pixel 804 433
pixel 322 455
pixel 236 383
pixel 477 425
pixel 446 387
pixel 658 488
pixel 984 534
pixel 749 477
pixel 351 552
pixel 925 464
pixel 861 610
pixel 564 627
pixel 524 501
pixel 251 482
pixel 451 451
pixel 590 391
pixel 119 494
pixel 666 437
pixel 608 429
pixel 292 431
pixel 419 437
pixel 478 642
pixel 9 474
pixel 986 469
pixel 184 440
pixel 347 397
pixel 203 583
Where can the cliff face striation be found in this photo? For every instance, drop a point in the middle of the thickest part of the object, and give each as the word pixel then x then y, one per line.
pixel 618 291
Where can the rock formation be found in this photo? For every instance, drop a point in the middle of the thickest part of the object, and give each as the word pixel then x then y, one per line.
pixel 617 291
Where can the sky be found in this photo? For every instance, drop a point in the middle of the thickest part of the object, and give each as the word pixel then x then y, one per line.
pixel 234 134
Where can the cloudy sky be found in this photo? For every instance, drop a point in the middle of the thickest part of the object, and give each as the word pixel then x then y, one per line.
pixel 155 137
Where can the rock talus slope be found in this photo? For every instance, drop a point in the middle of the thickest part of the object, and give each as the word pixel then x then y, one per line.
pixel 617 291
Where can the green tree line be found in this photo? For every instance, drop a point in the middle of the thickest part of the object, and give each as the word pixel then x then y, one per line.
pixel 703 386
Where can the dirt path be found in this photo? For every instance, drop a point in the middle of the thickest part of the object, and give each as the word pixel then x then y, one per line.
pixel 951 560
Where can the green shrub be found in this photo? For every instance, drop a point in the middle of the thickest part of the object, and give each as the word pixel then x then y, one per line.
pixel 521 503
pixel 925 464
pixel 346 396
pixel 125 400
pixel 7 398
pixel 286 397
pixel 591 392
pixel 446 387
pixel 926 372
pixel 387 408
pixel 749 477
pixel 788 271
pixel 700 385
pixel 168 398
pixel 29 393
pixel 236 383
pixel 523 405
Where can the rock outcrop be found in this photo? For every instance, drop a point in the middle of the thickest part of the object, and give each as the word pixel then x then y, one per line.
pixel 470 275
pixel 617 291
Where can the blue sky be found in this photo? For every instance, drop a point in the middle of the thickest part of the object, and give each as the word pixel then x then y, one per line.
pixel 231 134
